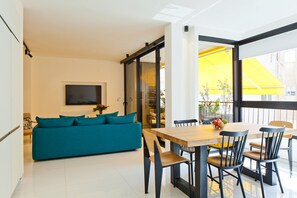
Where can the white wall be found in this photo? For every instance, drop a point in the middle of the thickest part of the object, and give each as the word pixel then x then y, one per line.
pixel 181 75
pixel 50 74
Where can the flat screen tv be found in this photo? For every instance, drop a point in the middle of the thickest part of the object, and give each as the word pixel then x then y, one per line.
pixel 83 94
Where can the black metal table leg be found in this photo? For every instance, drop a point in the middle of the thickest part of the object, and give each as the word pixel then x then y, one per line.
pixel 179 182
pixel 200 189
pixel 201 171
pixel 175 170
pixel 270 176
pixel 147 166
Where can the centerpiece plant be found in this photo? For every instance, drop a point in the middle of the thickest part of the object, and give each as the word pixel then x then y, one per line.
pixel 100 108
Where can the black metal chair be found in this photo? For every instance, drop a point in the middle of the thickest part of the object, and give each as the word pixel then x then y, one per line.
pixel 184 123
pixel 268 152
pixel 162 160
pixel 286 124
pixel 230 158
pixel 190 150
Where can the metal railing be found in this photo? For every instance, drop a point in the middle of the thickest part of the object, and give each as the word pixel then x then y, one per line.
pixel 249 114
pixel 265 115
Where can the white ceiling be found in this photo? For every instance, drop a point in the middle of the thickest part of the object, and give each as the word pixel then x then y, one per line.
pixel 109 29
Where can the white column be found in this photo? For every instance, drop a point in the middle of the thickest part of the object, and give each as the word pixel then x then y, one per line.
pixel 181 86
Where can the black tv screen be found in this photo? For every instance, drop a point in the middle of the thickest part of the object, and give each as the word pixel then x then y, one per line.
pixel 83 94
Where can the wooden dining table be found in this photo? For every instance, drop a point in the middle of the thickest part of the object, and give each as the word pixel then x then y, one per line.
pixel 200 137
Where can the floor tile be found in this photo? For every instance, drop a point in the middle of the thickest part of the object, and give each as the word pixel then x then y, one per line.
pixel 120 175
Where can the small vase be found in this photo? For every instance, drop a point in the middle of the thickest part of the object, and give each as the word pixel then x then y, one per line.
pixel 100 111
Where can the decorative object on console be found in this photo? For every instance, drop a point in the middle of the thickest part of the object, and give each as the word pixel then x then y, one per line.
pixel 100 108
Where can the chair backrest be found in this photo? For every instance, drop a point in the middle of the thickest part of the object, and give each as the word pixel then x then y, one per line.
pixel 183 123
pixel 208 120
pixel 280 123
pixel 271 138
pixel 234 143
pixel 150 139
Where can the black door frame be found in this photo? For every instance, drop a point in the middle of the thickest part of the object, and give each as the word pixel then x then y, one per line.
pixel 155 46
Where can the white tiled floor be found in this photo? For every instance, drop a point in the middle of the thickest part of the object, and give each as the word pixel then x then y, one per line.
pixel 121 175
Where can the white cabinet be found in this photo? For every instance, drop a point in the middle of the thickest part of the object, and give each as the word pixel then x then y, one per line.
pixel 11 148
pixel 16 82
pixel 16 111
pixel 16 157
pixel 5 79
pixel 5 169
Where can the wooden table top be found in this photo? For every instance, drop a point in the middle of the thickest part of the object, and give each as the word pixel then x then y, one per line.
pixel 202 135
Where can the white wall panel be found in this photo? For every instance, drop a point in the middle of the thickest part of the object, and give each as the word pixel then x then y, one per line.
pixel 16 157
pixel 16 83
pixel 5 79
pixel 11 148
pixel 5 169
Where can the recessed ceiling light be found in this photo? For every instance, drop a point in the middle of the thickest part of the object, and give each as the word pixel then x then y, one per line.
pixel 176 10
pixel 173 13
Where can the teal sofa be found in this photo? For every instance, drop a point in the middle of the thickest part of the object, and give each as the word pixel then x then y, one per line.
pixel 71 141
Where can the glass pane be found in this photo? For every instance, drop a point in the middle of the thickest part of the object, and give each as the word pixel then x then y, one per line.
pixel 270 77
pixel 148 87
pixel 162 87
pixel 215 84
pixel 131 96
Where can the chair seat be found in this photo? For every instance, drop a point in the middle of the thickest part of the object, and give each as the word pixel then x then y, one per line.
pixel 254 155
pixel 216 161
pixel 170 158
pixel 219 145
pixel 256 145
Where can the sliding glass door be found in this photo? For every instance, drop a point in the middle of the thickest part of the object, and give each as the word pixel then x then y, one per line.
pixel 144 77
pixel 148 89
pixel 131 86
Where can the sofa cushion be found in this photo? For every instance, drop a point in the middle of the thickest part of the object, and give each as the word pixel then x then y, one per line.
pixel 54 122
pixel 108 114
pixel 130 118
pixel 90 121
pixel 63 116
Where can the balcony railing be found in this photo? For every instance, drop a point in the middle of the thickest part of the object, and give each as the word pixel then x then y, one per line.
pixel 249 114
pixel 265 115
